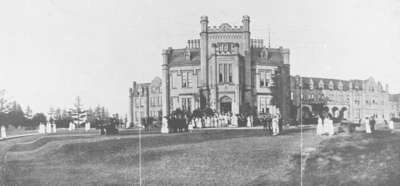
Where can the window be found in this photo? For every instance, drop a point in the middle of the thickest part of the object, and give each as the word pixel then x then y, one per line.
pixel 221 73
pixel 321 84
pixel 230 73
pixel 263 103
pixel 311 84
pixel 186 104
pixel 137 102
pixel 265 78
pixel 198 78
pixel 184 79
pixel 225 73
pixel 340 85
pixel 331 85
pixel 187 79
pixel 262 79
pixel 225 69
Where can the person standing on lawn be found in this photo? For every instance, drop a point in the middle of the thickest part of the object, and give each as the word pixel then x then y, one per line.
pixel 372 123
pixel 320 126
pixel 331 129
pixel 275 125
pixel 269 121
pixel 367 125
pixel 263 120
pixel 391 124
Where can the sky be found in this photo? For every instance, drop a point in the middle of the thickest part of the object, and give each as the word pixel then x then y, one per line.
pixel 54 50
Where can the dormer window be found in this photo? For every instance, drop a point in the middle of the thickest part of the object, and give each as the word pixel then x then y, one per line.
pixel 311 84
pixel 321 84
pixel 340 85
pixel 330 85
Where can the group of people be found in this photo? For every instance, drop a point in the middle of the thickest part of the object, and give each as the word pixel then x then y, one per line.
pixel 214 121
pixel 47 128
pixel 181 123
pixel 325 126
pixel 369 124
pixel 271 123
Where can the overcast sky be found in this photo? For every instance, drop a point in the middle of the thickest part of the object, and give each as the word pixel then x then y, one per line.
pixel 54 50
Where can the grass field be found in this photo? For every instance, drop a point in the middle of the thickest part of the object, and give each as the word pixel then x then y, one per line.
pixel 207 157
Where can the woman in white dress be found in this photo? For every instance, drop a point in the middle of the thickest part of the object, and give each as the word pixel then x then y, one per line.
pixel 325 125
pixel 275 125
pixel 367 126
pixel 191 125
pixel 248 124
pixel 331 129
pixel 320 126
pixel 391 124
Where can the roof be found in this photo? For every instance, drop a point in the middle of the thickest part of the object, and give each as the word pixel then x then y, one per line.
pixel 271 56
pixel 177 57
pixel 316 80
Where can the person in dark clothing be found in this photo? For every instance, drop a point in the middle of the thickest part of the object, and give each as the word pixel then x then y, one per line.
pixel 372 123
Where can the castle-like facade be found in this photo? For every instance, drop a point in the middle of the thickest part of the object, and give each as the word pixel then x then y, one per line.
pixel 228 71
pixel 224 70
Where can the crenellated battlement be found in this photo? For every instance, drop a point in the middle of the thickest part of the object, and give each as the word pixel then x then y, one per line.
pixel 194 43
pixel 225 27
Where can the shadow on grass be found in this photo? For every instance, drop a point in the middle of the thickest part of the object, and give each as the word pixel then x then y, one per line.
pixel 358 159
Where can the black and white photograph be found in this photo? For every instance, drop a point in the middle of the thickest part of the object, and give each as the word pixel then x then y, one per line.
pixel 226 92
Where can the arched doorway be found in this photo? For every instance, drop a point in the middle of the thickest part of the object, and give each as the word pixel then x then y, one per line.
pixel 226 104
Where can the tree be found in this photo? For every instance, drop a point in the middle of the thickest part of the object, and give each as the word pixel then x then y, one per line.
pixel 78 113
pixel 4 105
pixel 38 118
pixel 16 116
pixel 28 112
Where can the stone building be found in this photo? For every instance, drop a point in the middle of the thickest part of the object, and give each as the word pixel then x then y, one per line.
pixel 224 70
pixel 395 102
pixel 354 99
pixel 145 101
